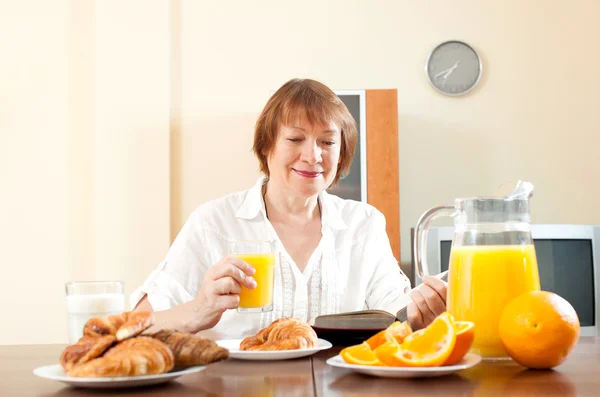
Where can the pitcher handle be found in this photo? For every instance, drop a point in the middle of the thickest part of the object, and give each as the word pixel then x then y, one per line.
pixel 421 232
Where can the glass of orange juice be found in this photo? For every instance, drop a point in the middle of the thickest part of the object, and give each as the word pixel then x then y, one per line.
pixel 262 256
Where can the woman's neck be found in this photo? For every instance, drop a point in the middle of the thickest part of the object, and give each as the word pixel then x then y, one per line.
pixel 282 207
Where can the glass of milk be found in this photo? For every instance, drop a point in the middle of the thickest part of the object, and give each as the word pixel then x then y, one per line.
pixel 87 299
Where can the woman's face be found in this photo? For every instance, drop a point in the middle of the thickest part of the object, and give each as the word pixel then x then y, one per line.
pixel 305 157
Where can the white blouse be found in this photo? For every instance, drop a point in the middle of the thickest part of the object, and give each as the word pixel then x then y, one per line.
pixel 352 268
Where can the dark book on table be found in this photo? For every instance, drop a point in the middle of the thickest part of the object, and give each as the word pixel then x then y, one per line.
pixel 352 327
pixel 359 320
pixel 358 324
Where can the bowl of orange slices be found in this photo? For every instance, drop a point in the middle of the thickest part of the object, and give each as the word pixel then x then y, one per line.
pixel 439 349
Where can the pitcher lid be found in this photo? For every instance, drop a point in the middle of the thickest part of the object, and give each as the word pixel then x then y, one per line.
pixel 491 209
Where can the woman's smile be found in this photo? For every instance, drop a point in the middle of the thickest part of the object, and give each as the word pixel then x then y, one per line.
pixel 307 174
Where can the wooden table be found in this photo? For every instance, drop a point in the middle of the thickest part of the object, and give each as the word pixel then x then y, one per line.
pixel 578 376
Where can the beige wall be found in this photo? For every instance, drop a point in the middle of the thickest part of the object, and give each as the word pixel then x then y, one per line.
pixel 84 153
pixel 118 118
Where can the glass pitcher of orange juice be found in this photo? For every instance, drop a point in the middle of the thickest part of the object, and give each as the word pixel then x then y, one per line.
pixel 492 261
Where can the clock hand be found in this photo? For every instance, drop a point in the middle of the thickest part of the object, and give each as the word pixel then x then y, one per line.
pixel 447 72
pixel 440 74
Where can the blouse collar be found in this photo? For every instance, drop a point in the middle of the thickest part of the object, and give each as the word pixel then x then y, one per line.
pixel 253 205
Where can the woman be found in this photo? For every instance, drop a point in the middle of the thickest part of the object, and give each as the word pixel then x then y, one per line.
pixel 335 253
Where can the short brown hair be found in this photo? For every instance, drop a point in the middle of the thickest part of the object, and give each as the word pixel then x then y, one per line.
pixel 320 105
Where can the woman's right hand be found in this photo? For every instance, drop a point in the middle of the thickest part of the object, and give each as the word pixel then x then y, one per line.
pixel 220 288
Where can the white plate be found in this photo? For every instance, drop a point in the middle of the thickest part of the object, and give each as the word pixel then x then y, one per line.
pixel 468 361
pixel 56 372
pixel 233 345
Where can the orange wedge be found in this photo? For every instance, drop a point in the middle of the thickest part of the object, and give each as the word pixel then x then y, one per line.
pixel 428 347
pixel 386 353
pixel 379 339
pixel 399 330
pixel 360 355
pixel 465 333
pixel 396 331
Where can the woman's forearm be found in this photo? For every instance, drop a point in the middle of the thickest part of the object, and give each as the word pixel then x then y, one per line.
pixel 186 317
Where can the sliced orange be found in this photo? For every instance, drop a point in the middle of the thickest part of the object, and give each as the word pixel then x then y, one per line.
pixel 428 347
pixel 400 330
pixel 465 334
pixel 386 353
pixel 359 354
pixel 396 331
pixel 379 339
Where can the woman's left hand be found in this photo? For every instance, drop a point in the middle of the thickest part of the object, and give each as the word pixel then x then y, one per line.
pixel 428 301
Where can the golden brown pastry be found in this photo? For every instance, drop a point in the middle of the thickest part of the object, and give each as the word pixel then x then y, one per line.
pixel 123 326
pixel 136 323
pixel 86 349
pixel 282 334
pixel 190 350
pixel 99 326
pixel 137 356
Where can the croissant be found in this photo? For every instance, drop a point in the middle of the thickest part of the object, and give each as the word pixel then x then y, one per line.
pixel 137 356
pixel 86 349
pixel 282 334
pixel 123 326
pixel 190 350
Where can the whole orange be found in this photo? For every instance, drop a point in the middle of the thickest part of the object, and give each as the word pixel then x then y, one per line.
pixel 539 329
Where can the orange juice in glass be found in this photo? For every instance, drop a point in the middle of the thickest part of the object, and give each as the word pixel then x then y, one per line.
pixel 483 279
pixel 260 255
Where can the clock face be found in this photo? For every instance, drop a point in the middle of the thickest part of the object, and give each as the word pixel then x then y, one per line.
pixel 453 68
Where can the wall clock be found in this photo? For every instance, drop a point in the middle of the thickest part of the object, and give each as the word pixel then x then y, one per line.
pixel 453 68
